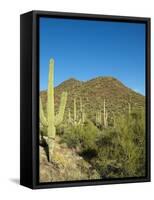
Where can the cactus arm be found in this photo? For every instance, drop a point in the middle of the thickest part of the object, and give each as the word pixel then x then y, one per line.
pixel 43 131
pixel 78 122
pixel 43 119
pixel 60 115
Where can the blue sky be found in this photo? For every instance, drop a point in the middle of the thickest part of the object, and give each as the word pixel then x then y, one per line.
pixel 85 49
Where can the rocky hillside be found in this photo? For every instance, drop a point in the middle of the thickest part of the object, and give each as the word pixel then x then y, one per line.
pixel 93 93
pixel 67 165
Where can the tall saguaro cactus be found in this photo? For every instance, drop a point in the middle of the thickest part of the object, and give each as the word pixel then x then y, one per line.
pixel 51 121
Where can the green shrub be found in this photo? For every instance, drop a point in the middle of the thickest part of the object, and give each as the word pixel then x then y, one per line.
pixel 114 151
pixel 71 136
pixel 81 136
pixel 121 151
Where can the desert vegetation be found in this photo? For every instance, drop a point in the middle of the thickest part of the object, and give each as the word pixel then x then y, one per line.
pixel 91 130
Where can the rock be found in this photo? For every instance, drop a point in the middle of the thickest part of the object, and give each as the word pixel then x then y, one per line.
pixel 66 166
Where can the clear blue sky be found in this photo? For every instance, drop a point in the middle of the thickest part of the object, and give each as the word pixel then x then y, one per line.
pixel 86 49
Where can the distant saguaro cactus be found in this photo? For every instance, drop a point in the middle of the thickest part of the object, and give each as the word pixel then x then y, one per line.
pixel 75 115
pixel 113 119
pixel 105 114
pixel 98 118
pixel 129 108
pixel 129 105
pixel 75 120
pixel 82 112
pixel 51 121
pixel 79 115
pixel 69 116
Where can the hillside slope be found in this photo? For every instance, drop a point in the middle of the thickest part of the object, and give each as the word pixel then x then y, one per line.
pixel 93 93
pixel 67 165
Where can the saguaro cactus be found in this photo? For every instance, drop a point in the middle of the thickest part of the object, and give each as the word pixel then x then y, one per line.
pixel 129 108
pixel 79 116
pixel 129 105
pixel 75 121
pixel 98 118
pixel 82 111
pixel 83 116
pixel 75 115
pixel 51 121
pixel 105 114
pixel 113 119
pixel 69 116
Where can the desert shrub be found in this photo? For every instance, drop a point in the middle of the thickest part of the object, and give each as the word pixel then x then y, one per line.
pixel 114 152
pixel 121 150
pixel 61 129
pixel 89 135
pixel 71 136
pixel 81 136
pixel 109 154
pixel 131 131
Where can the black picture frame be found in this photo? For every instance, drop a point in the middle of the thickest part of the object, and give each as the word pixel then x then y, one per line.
pixel 29 98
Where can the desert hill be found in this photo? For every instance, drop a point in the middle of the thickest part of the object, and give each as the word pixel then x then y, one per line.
pixel 93 92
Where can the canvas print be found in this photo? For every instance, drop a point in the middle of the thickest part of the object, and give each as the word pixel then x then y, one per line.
pixel 92 100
